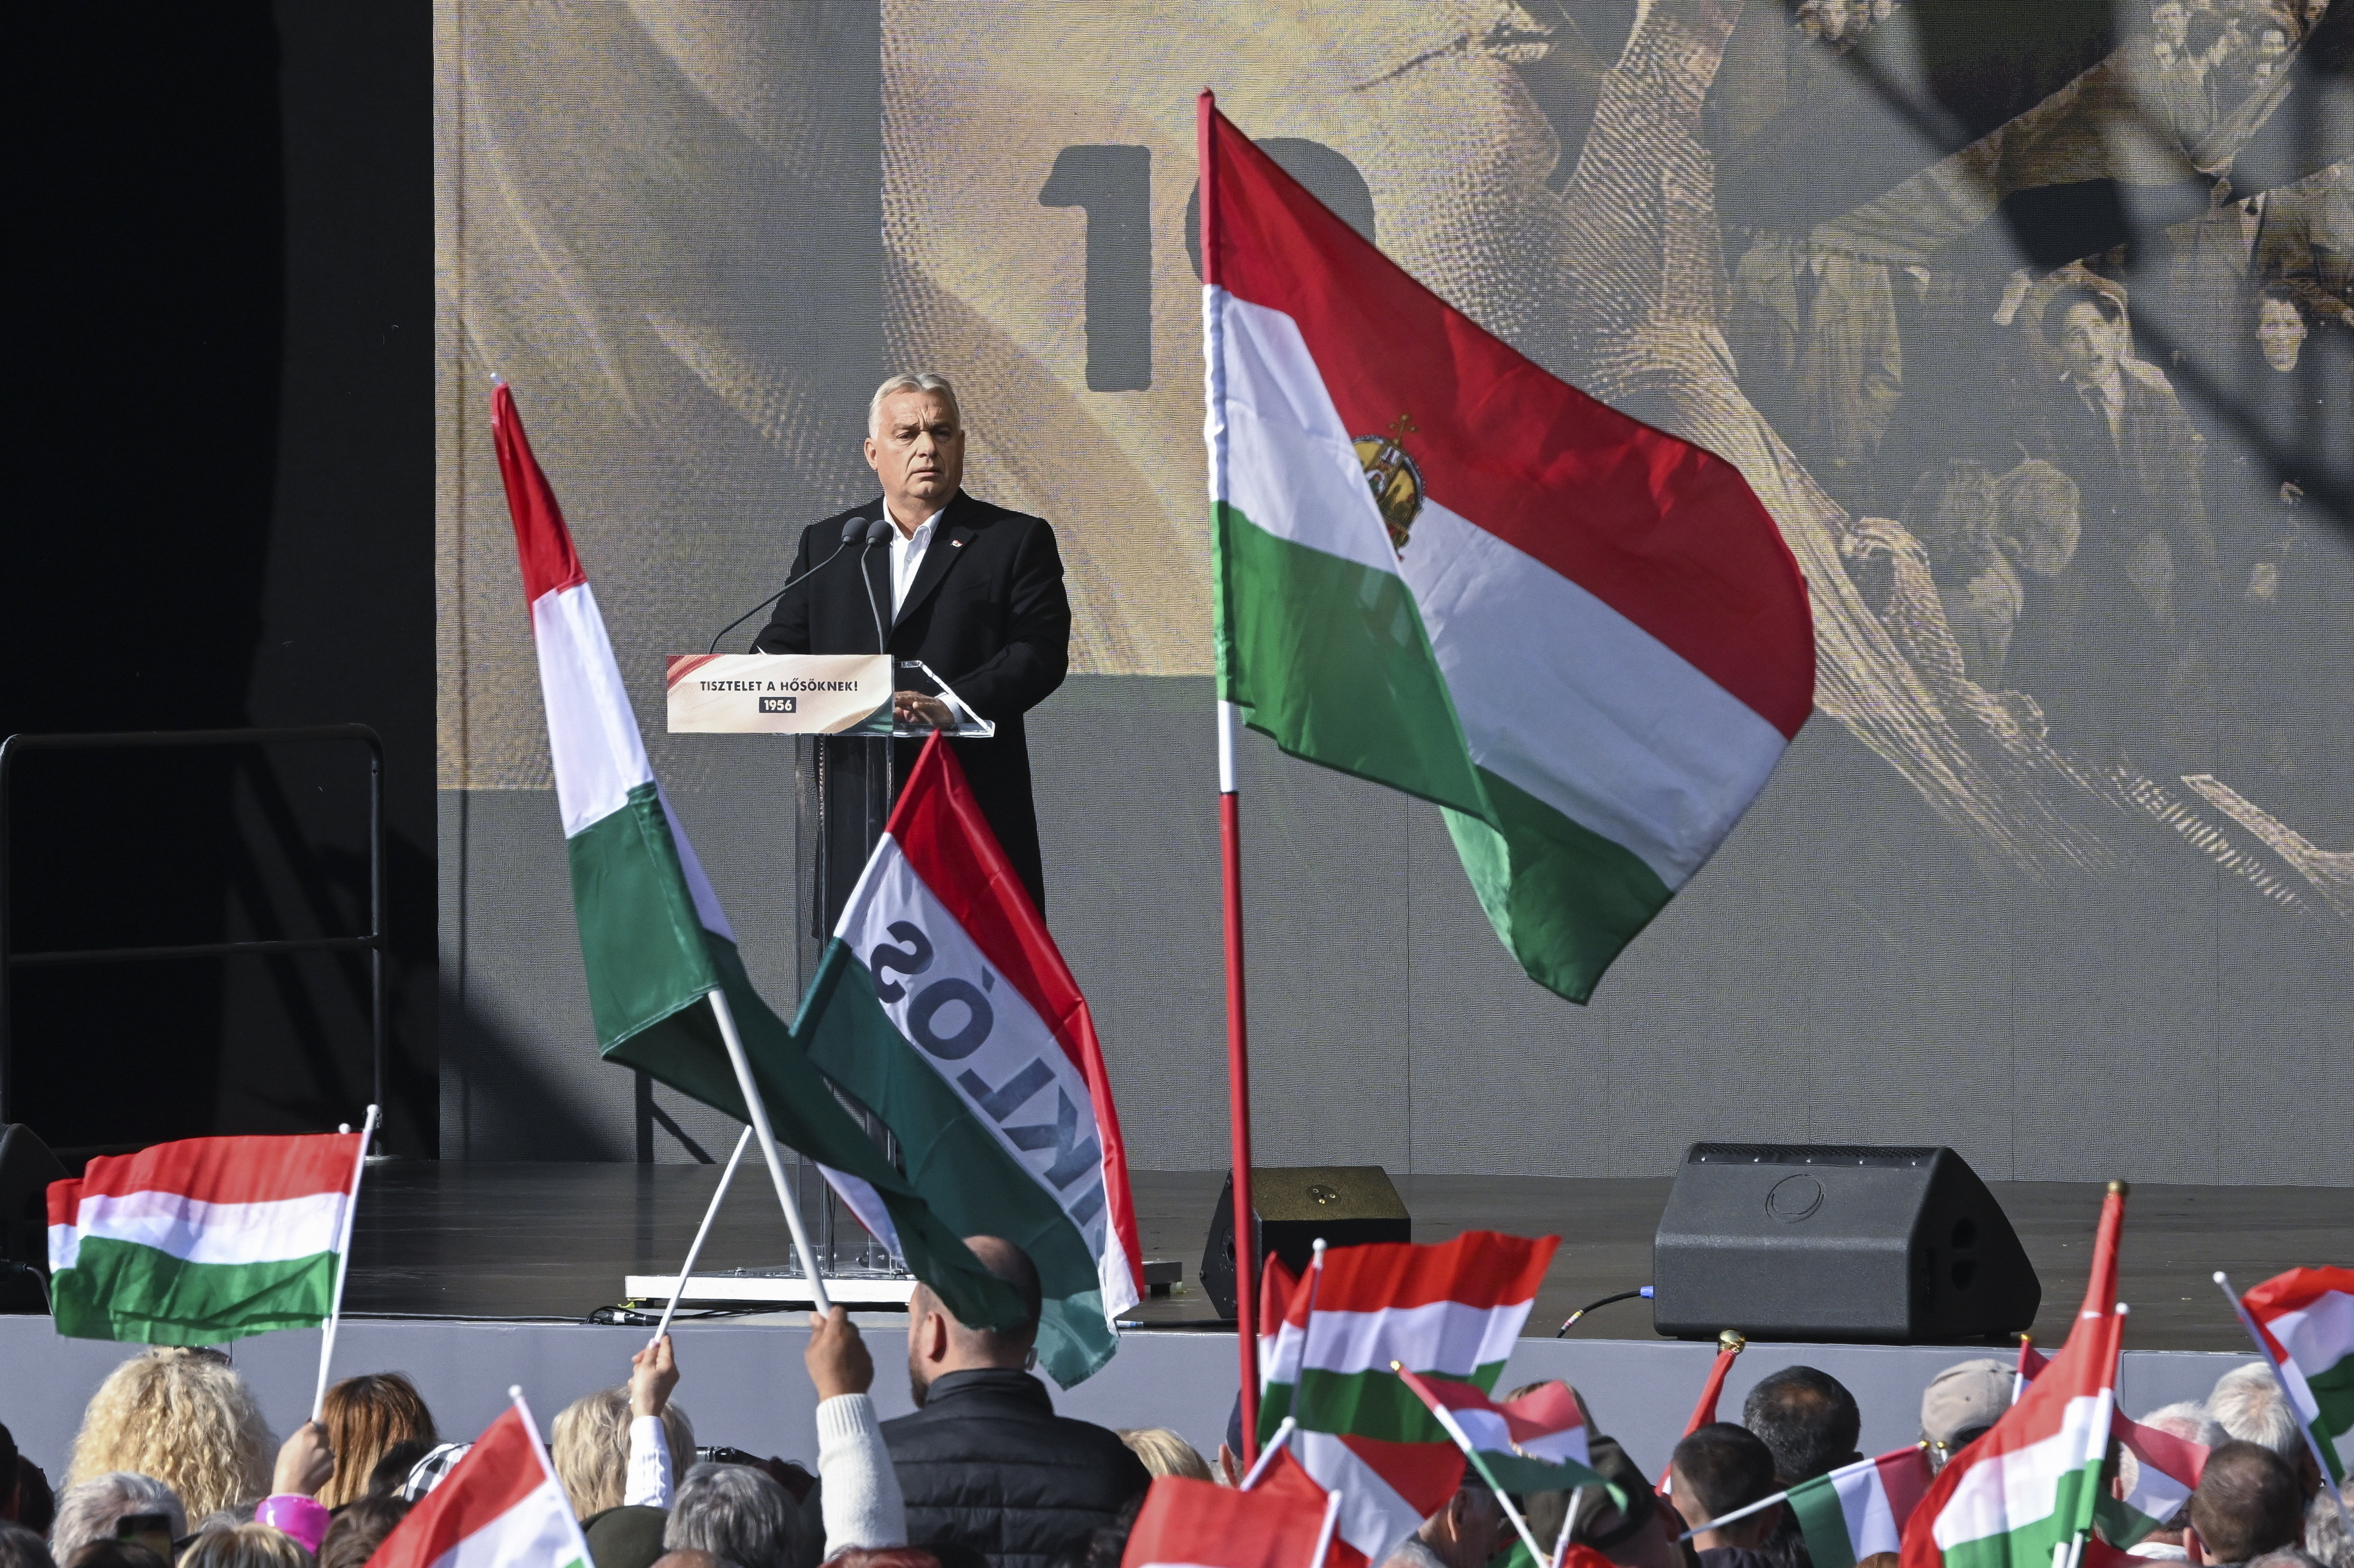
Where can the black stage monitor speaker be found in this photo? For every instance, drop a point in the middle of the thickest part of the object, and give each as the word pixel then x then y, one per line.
pixel 1348 1205
pixel 1836 1241
pixel 26 1169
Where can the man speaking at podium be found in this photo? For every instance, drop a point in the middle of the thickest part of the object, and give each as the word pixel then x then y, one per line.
pixel 972 590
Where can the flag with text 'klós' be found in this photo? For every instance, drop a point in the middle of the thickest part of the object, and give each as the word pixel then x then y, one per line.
pixel 943 1005
pixel 202 1241
pixel 500 1505
pixel 652 937
pixel 1440 567
pixel 1451 1310
pixel 2306 1318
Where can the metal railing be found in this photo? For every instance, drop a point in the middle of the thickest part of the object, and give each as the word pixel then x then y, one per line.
pixel 372 943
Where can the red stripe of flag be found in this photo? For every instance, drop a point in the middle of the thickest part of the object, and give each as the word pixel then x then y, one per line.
pixel 1670 534
pixel 219 1171
pixel 1482 1269
pixel 938 826
pixel 543 544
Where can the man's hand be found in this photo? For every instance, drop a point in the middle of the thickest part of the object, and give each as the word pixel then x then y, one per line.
pixel 305 1462
pixel 914 708
pixel 654 1372
pixel 837 1355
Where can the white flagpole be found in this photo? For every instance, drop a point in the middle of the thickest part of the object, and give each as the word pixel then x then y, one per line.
pixel 343 1266
pixel 2312 1446
pixel 756 1111
pixel 1324 1536
pixel 1275 1442
pixel 701 1231
pixel 1568 1523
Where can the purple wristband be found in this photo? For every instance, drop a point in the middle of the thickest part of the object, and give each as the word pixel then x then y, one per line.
pixel 299 1517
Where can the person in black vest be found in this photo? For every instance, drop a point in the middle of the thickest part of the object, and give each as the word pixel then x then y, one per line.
pixel 985 1465
pixel 972 590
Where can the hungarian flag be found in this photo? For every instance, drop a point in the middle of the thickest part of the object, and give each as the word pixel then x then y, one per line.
pixel 2156 1471
pixel 2304 1321
pixel 1441 568
pixel 2035 1480
pixel 1533 1444
pixel 501 1506
pixel 944 1006
pixel 655 943
pixel 202 1240
pixel 1278 1524
pixel 1452 1310
pixel 1860 1508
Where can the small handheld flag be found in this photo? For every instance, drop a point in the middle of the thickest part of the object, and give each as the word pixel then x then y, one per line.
pixel 204 1240
pixel 499 1507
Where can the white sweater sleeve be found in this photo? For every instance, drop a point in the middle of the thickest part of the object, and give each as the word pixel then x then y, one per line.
pixel 649 1475
pixel 860 1493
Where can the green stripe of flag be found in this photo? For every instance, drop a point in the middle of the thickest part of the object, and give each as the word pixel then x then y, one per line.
pixel 646 951
pixel 1332 662
pixel 124 1290
pixel 2029 1546
pixel 955 1162
pixel 1563 898
pixel 1822 1519
pixel 2333 1427
pixel 1364 1404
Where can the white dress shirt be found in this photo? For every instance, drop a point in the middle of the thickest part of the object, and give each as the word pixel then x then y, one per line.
pixel 907 557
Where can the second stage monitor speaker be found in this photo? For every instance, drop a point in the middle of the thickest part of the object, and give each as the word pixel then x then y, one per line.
pixel 1839 1242
pixel 1348 1205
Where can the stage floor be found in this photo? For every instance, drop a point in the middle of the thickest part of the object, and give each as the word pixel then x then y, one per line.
pixel 554 1241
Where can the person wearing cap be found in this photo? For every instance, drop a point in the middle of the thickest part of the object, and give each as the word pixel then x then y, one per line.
pixel 1960 1404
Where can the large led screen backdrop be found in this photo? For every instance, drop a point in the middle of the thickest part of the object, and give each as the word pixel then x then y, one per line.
pixel 2029 323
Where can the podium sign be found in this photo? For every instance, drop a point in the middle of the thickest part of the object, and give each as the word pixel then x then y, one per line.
pixel 806 693
pixel 776 694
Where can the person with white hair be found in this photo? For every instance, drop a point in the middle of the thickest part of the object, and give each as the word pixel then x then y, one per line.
pixel 925 571
pixel 737 1513
pixel 90 1510
pixel 2247 1403
pixel 2186 1419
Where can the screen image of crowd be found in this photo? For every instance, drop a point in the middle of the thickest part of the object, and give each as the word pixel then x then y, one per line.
pixel 174 1464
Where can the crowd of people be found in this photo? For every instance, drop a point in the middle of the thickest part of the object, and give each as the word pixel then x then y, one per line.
pixel 2115 479
pixel 174 1467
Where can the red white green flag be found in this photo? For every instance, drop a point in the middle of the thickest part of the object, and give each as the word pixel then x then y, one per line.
pixel 500 1505
pixel 1451 1310
pixel 2033 1481
pixel 654 939
pixel 1861 1509
pixel 943 1004
pixel 1441 568
pixel 2304 1321
pixel 1536 1443
pixel 204 1240
pixel 2155 1473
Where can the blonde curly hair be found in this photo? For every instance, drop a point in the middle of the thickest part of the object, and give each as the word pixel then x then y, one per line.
pixel 184 1417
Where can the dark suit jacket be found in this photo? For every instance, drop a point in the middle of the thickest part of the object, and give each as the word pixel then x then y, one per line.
pixel 987 612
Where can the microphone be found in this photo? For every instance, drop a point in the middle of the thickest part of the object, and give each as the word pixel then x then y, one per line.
pixel 878 532
pixel 851 530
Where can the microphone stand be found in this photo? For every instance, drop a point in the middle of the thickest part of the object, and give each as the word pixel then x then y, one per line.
pixel 851 530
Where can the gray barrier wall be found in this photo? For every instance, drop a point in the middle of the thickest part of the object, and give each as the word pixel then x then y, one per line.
pixel 744 1384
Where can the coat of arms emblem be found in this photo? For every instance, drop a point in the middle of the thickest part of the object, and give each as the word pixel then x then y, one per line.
pixel 1396 481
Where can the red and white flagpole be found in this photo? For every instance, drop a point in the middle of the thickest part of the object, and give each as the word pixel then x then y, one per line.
pixel 1230 847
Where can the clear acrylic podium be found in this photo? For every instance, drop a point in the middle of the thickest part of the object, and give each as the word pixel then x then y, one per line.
pixel 846 773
